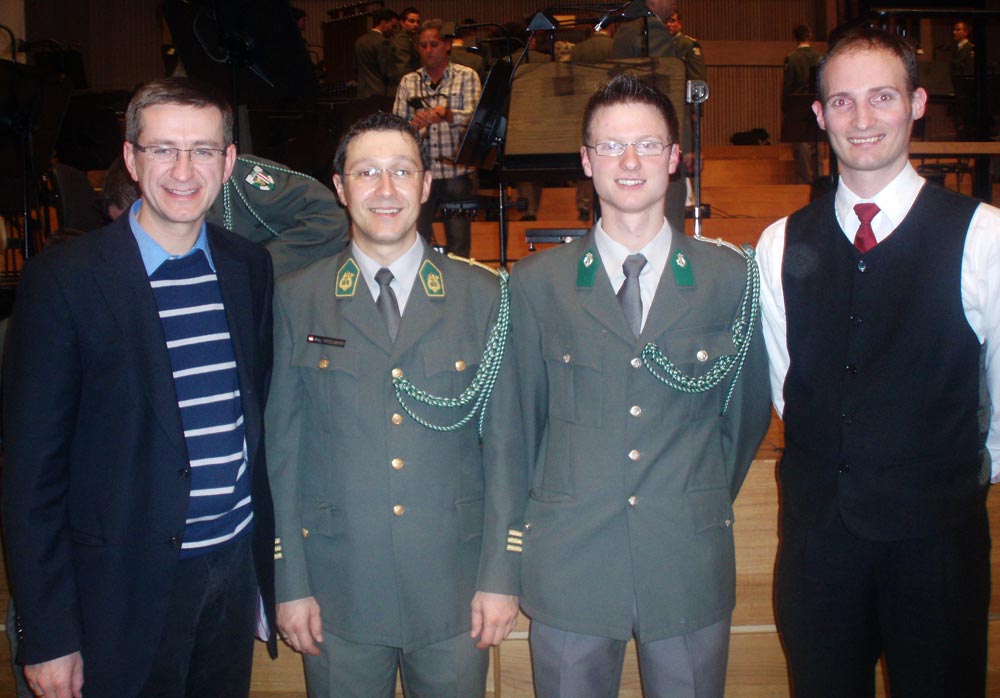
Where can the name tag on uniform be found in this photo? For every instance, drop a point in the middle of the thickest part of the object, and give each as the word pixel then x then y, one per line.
pixel 329 341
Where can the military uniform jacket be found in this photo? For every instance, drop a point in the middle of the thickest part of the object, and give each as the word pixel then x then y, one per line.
pixel 295 217
pixel 391 526
pixel 632 482
pixel 372 63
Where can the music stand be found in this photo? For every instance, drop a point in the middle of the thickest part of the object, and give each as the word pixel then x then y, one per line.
pixel 31 113
pixel 483 141
pixel 253 48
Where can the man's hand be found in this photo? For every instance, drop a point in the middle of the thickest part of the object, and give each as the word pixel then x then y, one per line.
pixel 57 678
pixel 493 617
pixel 300 626
pixel 426 117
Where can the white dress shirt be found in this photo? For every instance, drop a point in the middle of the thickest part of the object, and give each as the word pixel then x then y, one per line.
pixel 613 255
pixel 980 281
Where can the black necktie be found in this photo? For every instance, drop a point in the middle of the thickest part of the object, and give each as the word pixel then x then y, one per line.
pixel 388 308
pixel 628 294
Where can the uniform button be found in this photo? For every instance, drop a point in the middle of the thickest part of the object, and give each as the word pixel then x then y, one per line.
pixel 566 358
pixel 397 464
pixel 636 362
pixel 397 418
pixel 635 410
pixel 844 468
pixel 855 319
pixel 459 365
pixel 174 542
pixel 851 369
pixel 323 363
pixel 305 532
pixel 702 355
pixel 527 525
pixel 184 473
pixel 633 455
pixel 397 373
pixel 727 523
pixel 632 500
pixel 862 266
pixel 399 510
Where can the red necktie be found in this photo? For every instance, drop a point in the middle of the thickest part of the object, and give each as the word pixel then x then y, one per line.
pixel 864 240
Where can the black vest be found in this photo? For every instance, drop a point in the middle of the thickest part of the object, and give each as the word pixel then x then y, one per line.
pixel 882 415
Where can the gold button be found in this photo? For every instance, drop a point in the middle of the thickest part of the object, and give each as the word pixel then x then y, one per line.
pixel 635 410
pixel 702 355
pixel 459 365
pixel 399 510
pixel 636 362
pixel 632 500
pixel 397 373
pixel 633 455
pixel 397 463
pixel 567 358
pixel 305 532
pixel 397 418
pixel 527 525
pixel 323 363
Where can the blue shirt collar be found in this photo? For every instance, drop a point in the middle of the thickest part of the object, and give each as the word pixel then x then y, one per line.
pixel 152 254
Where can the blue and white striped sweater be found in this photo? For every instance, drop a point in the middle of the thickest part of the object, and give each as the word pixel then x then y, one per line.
pixel 208 395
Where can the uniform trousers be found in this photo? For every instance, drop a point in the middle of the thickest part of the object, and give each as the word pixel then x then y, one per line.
pixel 207 644
pixel 573 665
pixel 457 228
pixel 452 668
pixel 843 600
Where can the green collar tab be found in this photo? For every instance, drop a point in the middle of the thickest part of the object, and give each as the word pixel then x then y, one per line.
pixel 683 273
pixel 347 279
pixel 432 280
pixel 587 269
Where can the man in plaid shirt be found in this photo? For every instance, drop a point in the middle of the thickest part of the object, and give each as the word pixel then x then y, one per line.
pixel 439 100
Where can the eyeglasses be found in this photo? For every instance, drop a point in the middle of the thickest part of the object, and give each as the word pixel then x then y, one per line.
pixel 614 149
pixel 163 153
pixel 374 174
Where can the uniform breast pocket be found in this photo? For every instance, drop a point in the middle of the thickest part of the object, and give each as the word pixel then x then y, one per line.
pixel 576 392
pixel 330 376
pixel 697 352
pixel 450 365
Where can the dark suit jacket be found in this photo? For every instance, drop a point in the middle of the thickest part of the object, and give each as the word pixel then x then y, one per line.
pixel 94 496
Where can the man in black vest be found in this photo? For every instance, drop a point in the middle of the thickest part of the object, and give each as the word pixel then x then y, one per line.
pixel 881 312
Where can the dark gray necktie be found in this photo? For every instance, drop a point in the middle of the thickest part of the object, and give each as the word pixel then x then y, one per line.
pixel 388 308
pixel 628 294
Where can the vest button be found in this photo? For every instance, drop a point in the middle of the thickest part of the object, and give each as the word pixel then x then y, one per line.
pixel 862 266
pixel 844 468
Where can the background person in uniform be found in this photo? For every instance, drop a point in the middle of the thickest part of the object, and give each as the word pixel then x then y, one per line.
pixel 400 544
pixel 798 81
pixel 963 68
pixel 295 218
pixel 628 529
pixel 881 309
pixel 373 55
pixel 136 507
pixel 438 101
pixel 405 56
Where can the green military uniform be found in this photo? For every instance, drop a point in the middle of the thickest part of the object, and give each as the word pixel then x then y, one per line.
pixel 629 521
pixel 390 525
pixel 297 219
pixel 373 64
pixel 798 123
